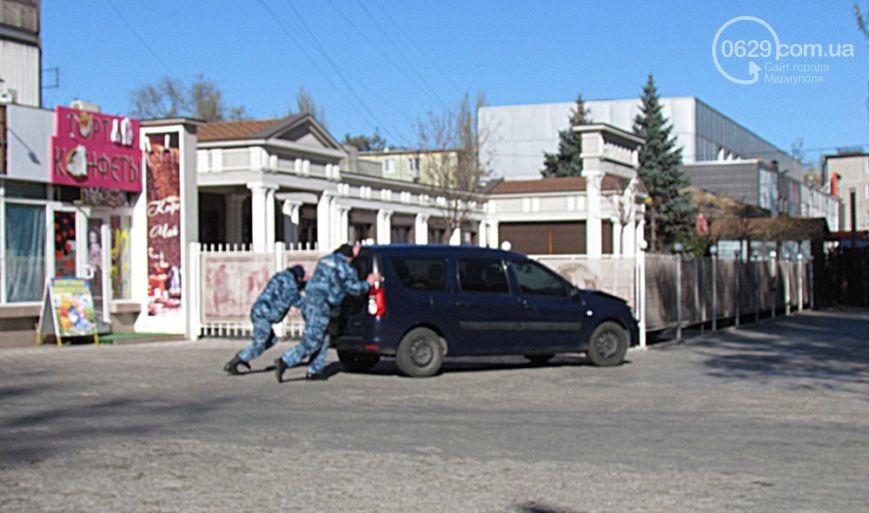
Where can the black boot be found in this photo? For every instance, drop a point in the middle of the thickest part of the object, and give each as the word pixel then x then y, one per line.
pixel 232 366
pixel 280 367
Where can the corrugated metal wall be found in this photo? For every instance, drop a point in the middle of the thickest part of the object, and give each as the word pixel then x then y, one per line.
pixel 19 69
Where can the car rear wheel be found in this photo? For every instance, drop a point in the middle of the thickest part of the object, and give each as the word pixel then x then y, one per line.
pixel 608 344
pixel 358 362
pixel 539 359
pixel 420 353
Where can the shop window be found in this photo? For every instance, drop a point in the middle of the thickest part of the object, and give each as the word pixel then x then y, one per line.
pixel 25 252
pixel 64 243
pixel 25 190
pixel 122 287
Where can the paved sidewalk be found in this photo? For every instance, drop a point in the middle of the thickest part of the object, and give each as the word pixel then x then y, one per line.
pixel 770 418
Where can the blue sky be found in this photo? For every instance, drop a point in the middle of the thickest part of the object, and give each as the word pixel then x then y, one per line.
pixel 421 55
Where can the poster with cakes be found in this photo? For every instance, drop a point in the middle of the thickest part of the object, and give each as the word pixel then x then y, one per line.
pixel 163 188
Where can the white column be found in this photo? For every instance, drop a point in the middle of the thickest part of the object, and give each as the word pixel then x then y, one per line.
pixel 492 233
pixel 640 244
pixel 629 241
pixel 262 210
pixel 456 237
pixel 340 224
pixel 234 217
pixel 324 222
pixel 617 236
pixel 420 229
pixel 291 209
pixel 384 226
pixel 593 222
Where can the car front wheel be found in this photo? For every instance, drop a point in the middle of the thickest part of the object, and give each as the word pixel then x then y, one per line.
pixel 420 353
pixel 608 345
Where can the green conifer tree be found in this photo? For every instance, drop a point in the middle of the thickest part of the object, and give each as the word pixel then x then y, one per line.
pixel 670 214
pixel 567 161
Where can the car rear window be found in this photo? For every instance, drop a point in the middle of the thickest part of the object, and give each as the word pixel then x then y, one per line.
pixel 420 273
pixel 482 275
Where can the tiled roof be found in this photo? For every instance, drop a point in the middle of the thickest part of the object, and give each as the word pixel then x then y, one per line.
pixel 544 185
pixel 232 130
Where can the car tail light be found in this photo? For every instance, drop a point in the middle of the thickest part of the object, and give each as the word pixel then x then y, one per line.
pixel 377 300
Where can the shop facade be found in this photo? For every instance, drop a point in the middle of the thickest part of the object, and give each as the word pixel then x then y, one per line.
pixel 68 188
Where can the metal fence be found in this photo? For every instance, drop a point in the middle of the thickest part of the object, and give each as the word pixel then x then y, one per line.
pixel 664 291
pixel 715 289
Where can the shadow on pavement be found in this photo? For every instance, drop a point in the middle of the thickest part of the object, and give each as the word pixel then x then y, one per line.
pixel 825 349
pixel 36 435
pixel 534 507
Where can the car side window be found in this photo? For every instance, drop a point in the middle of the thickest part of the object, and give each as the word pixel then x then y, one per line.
pixel 482 275
pixel 535 279
pixel 427 274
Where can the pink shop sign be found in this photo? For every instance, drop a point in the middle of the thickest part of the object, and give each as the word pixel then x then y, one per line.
pixel 90 149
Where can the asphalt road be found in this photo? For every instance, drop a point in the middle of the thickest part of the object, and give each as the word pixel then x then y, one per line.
pixel 771 418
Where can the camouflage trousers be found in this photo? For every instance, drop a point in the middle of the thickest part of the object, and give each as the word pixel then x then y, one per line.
pixel 263 335
pixel 315 340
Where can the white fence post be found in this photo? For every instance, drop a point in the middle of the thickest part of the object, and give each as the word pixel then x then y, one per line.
pixel 194 315
pixel 788 288
pixel 800 282
pixel 714 292
pixel 279 249
pixel 640 291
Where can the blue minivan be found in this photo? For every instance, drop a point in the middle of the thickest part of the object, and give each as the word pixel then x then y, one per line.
pixel 436 301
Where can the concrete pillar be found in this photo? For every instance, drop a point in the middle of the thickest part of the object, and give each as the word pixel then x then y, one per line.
pixel 593 239
pixel 262 215
pixel 234 217
pixel 384 226
pixel 629 241
pixel 456 237
pixel 290 219
pixel 324 221
pixel 493 239
pixel 617 236
pixel 640 244
pixel 420 229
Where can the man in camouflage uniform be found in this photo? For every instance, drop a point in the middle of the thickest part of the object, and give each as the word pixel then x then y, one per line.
pixel 332 280
pixel 281 292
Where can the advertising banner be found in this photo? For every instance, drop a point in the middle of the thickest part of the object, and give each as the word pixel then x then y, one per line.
pixel 164 224
pixel 67 310
pixel 90 149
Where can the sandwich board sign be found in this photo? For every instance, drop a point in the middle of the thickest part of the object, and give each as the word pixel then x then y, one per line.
pixel 67 310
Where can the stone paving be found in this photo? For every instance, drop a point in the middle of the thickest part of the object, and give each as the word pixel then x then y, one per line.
pixel 770 418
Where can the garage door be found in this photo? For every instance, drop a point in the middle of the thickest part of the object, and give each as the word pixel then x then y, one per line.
pixel 544 238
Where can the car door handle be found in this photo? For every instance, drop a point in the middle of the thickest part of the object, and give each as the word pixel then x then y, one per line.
pixel 529 307
pixel 461 304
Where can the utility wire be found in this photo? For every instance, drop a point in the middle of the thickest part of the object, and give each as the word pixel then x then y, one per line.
pixel 140 38
pixel 400 54
pixel 385 55
pixel 338 73
pixel 313 61
pixel 410 39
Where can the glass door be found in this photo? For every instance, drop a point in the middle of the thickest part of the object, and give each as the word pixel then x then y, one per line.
pixel 97 262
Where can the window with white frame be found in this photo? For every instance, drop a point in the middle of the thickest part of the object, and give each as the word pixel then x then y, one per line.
pixel 389 167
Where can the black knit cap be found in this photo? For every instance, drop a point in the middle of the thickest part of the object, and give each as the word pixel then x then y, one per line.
pixel 298 272
pixel 346 250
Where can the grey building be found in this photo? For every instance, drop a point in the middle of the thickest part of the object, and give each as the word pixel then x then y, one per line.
pixel 517 135
pixel 20 52
pixel 850 173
